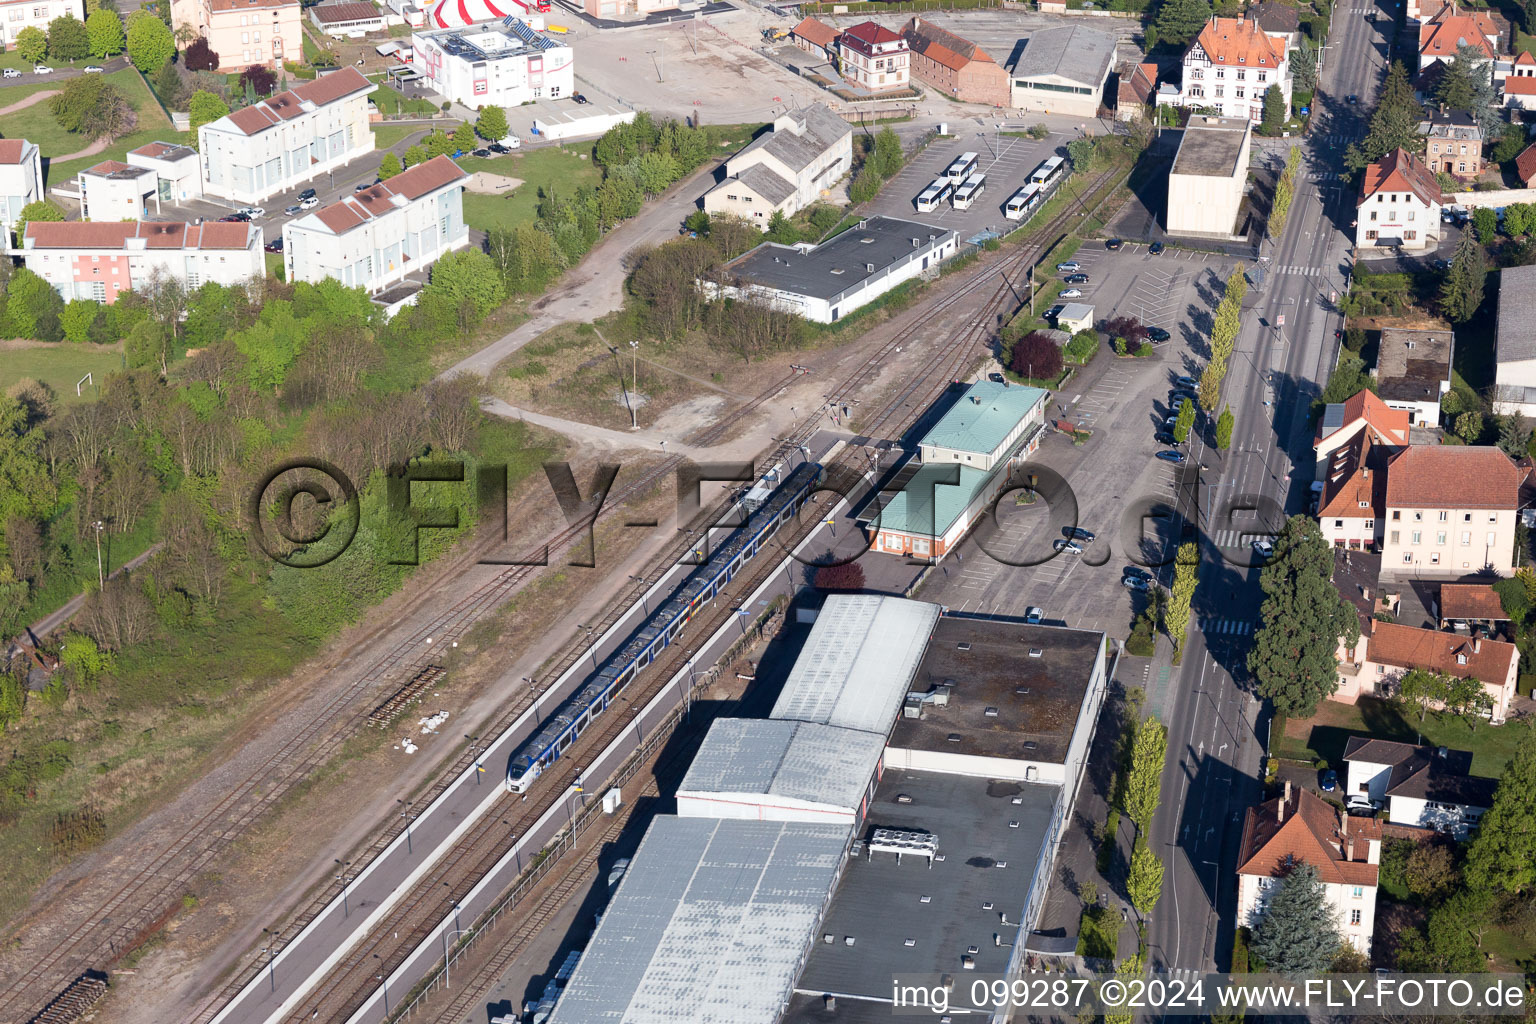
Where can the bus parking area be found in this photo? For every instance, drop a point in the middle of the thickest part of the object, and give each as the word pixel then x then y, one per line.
pixel 1005 160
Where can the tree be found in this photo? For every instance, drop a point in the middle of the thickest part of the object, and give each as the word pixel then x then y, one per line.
pixel 1297 934
pixel 438 144
pixel 1179 21
pixel 464 137
pixel 1450 938
pixel 150 44
pixel 1211 377
pixel 469 276
pixel 104 30
pixel 1519 218
pixel 1181 598
pixel 259 79
pixel 1394 125
pixel 1224 428
pixel 1501 857
pixel 1303 68
pixel 1143 783
pixel 1421 689
pixel 76 319
pixel 82 658
pixel 1485 223
pixel 1462 290
pixel 492 124
pixel 204 108
pixel 1431 872
pixel 1144 884
pixel 67 38
pixel 200 56
pixel 38 210
pixel 1036 357
pixel 1185 421
pixel 1083 346
pixel 1469 426
pixel 32 44
pixel 414 155
pixel 389 166
pixel 1468 700
pixel 1304 618
pixel 865 185
pixel 887 156
pixel 843 577
pixel 781 230
pixel 167 85
pixel 1514 435
pixel 1274 109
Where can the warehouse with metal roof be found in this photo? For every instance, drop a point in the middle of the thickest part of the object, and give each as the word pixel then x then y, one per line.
pixel 781 770
pixel 710 925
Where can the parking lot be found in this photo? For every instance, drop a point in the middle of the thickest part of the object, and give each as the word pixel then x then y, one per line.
pixel 1006 160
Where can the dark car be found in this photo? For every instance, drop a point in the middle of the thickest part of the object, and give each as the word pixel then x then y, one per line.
pixel 1351 98
pixel 1185 382
pixel 242 217
pixel 481 153
pixel 1155 249
pixel 1076 279
pixel 1137 571
pixel 308 193
pixel 1077 533
pixel 1329 781
pixel 1164 437
pixel 1178 396
pixel 578 97
pixel 498 148
pixel 1158 335
pixel 1172 456
pixel 363 186
pixel 1113 245
pixel 995 378
pixel 276 245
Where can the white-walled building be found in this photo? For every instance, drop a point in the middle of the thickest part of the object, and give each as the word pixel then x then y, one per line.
pixel 21 178
pixel 1399 204
pixel 1515 348
pixel 100 260
pixel 374 238
pixel 1413 371
pixel 786 169
pixel 1062 71
pixel 1205 184
pixel 16 15
pixel 287 140
pixel 1377 663
pixel 1230 67
pixel 502 65
pixel 826 282
pixel 113 190
pixel 178 174
pixel 1426 787
pixel 1298 827
pixel 874 57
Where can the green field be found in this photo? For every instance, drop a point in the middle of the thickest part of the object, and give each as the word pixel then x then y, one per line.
pixel 536 168
pixel 1322 737
pixel 59 366
pixel 387 135
pixel 391 101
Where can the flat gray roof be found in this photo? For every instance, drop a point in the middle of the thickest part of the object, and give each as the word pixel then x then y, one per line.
pixel 1074 52
pixel 708 924
pixel 857 665
pixel 987 664
pixel 1517 313
pixel 1211 147
pixel 879 903
pixel 836 266
pixel 1411 364
pixel 819 764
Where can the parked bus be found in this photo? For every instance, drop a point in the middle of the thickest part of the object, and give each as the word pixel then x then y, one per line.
pixel 963 167
pixel 1048 173
pixel 934 195
pixel 969 192
pixel 1023 203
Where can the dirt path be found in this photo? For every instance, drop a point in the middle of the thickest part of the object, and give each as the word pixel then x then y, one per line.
pixel 91 150
pixel 32 100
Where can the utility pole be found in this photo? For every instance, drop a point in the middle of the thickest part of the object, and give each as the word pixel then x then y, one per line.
pixel 101 579
pixel 634 391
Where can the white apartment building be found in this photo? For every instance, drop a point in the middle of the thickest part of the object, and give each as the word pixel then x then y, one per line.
pixel 288 140
pixel 1450 510
pixel 178 176
pixel 1230 67
pixel 1399 204
pixel 785 170
pixel 21 178
pixel 113 190
pixel 374 238
pixel 1298 827
pixel 1426 787
pixel 502 65
pixel 100 260
pixel 20 14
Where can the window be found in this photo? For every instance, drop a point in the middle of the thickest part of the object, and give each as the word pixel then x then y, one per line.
pixel 1418 517
pixel 1466 537
pixel 1443 514
pixel 1407 558
pixel 1462 167
pixel 1417 537
pixel 1354 917
pixel 1396 537
pixel 1411 215
pixel 1396 514
pixel 1409 236
pixel 1238 93
pixel 1338 524
pixel 1492 538
pixel 1434 558
pixel 1466 517
pixel 1358 891
pixel 1263 76
pixel 1440 538
pixel 245 37
pixel 1370 524
pixel 1241 74
pixel 1219 92
pixel 1373 217
pixel 1493 517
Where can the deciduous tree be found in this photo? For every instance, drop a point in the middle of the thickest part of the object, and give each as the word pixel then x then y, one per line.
pixel 1185 421
pixel 1224 428
pixel 1143 783
pixel 464 137
pixel 1420 689
pixel 150 44
pixel 389 166
pixel 205 108
pixel 1036 357
pixel 1181 597
pixel 1144 884
pixel 32 44
pixel 1297 934
pixel 199 56
pixel 67 38
pixel 492 124
pixel 104 30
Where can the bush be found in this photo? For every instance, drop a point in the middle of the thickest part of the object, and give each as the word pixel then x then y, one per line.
pixel 1037 357
pixel 199 56
pixel 1083 347
pixel 847 576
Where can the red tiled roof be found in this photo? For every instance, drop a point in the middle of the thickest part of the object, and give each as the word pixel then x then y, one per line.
pixel 156 234
pixel 1410 647
pixel 1525 163
pixel 11 150
pixel 1400 171
pixel 1354 475
pixel 1453 476
pixel 866 34
pixel 1306 830
pixel 942 47
pixel 374 202
pixel 1471 601
pixel 1524 57
pixel 286 106
pixel 155 150
pixel 113 167
pixel 817 33
pixel 1449 28
pixel 1520 85
pixel 1390 425
pixel 1234 42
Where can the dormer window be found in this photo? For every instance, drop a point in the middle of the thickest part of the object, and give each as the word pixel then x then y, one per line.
pixel 1461 659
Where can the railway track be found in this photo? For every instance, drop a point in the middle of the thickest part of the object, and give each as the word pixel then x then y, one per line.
pixel 415 917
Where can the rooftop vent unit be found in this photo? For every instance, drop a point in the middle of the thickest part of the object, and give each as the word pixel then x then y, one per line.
pixel 925 899
pixel 1022 691
pixel 869 268
pixel 1030 744
pixel 953 737
pixel 848 940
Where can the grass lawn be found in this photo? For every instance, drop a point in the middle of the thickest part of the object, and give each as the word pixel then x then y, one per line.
pixel 1098 933
pixel 1324 734
pixel 60 366
pixel 1525 43
pixel 537 168
pixel 386 135
pixel 390 100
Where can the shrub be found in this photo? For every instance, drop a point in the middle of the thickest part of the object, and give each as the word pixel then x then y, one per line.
pixel 1037 357
pixel 1083 346
pixel 847 576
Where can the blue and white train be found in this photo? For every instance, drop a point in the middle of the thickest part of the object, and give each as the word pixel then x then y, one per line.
pixel 663 625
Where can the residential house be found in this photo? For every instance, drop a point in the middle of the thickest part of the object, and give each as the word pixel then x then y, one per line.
pixel 955 66
pixel 1298 827
pixel 1399 204
pixel 1450 510
pixel 113 190
pixel 1351 507
pixel 1062 71
pixel 16 15
pixel 1389 651
pixel 21 179
pixel 816 38
pixel 1279 21
pixel 874 57
pixel 1514 374
pixel 1520 82
pixel 1451 27
pixel 1137 90
pixel 374 238
pixel 287 140
pixel 1230 67
pixel 1206 181
pixel 244 32
pixel 1365 412
pixel 1420 11
pixel 1453 143
pixel 178 170
pixel 1468 606
pixel 100 260
pixel 786 169
pixel 1424 787
pixel 1413 371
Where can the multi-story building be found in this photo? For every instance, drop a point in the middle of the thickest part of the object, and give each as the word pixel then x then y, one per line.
pixel 1453 143
pixel 1450 510
pixel 374 238
pixel 178 176
pixel 1425 787
pixel 955 66
pixel 503 65
pixel 100 260
pixel 1450 29
pixel 1363 413
pixel 1231 66
pixel 1520 84
pixel 1206 181
pixel 1413 371
pixel 155 175
pixel 287 140
pixel 1062 71
pixel 1514 372
pixel 1380 658
pixel 875 57
pixel 1399 204
pixel 244 32
pixel 16 15
pixel 784 170
pixel 1297 827
pixel 21 179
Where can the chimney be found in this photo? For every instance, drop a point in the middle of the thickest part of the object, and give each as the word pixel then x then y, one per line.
pixel 1365 593
pixel 1477 644
pixel 1280 807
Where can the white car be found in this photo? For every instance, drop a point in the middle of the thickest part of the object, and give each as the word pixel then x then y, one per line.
pixel 1034 615
pixel 1264 549
pixel 92 69
pixel 42 69
pixel 512 142
pixel 12 73
pixel 252 211
pixel 309 204
pixel 1070 293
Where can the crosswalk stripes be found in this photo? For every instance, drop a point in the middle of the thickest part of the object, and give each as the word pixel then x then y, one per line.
pixel 1328 176
pixel 1226 627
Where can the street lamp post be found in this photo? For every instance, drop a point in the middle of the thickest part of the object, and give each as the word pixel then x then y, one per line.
pixel 407 817
pixel 101 579
pixel 475 751
pixel 271 950
pixel 634 387
pixel 346 881
pixel 379 976
pixel 447 934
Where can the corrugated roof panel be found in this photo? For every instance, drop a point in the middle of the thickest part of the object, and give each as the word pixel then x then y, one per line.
pixel 784 760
